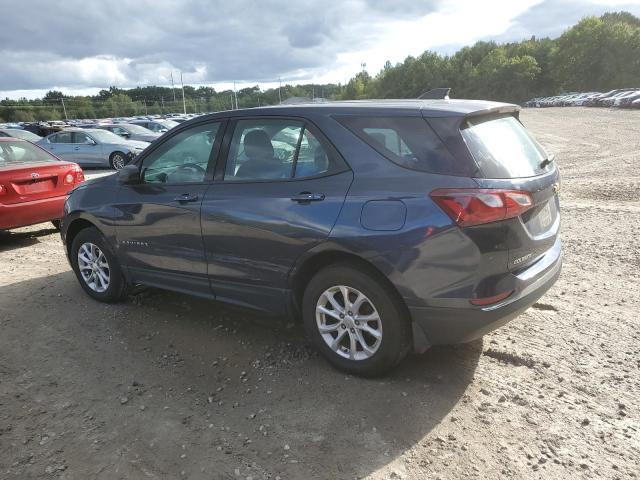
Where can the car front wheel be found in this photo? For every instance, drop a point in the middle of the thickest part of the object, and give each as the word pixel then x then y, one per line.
pixel 96 267
pixel 355 321
pixel 117 160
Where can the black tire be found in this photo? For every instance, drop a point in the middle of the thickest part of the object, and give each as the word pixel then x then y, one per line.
pixel 117 287
pixel 396 332
pixel 117 160
pixel 56 224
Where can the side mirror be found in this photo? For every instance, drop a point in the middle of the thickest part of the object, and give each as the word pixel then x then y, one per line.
pixel 126 135
pixel 129 175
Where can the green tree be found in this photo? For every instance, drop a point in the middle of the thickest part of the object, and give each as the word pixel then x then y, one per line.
pixel 598 54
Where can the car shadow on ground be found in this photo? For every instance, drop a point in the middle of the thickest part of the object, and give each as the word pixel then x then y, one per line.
pixel 12 239
pixel 228 388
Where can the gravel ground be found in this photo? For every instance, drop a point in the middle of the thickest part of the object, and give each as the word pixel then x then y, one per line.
pixel 169 386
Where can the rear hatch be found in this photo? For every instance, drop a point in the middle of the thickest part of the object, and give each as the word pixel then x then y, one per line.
pixel 28 173
pixel 509 158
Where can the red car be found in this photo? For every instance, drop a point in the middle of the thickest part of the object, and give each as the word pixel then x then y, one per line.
pixel 33 184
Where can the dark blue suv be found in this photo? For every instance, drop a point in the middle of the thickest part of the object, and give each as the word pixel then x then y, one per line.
pixel 387 226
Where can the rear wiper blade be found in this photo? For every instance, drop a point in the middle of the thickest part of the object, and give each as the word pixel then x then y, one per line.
pixel 547 160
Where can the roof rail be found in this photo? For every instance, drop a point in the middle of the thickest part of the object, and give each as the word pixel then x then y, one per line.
pixel 436 94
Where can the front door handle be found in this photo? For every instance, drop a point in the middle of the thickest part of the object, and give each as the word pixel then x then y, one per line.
pixel 186 197
pixel 76 148
pixel 306 197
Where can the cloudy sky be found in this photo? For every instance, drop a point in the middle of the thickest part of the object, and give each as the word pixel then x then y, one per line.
pixel 80 47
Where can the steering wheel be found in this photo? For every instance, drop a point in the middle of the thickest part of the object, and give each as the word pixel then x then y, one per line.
pixel 187 172
pixel 190 166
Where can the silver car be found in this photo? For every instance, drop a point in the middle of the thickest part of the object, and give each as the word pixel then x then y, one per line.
pixel 130 131
pixel 92 147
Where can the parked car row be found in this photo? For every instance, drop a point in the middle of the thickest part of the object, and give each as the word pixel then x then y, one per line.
pixel 619 98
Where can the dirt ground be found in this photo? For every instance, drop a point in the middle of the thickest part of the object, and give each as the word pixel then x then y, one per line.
pixel 169 386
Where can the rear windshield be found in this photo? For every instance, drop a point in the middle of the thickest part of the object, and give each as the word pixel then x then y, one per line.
pixel 24 134
pixel 22 152
pixel 407 141
pixel 502 147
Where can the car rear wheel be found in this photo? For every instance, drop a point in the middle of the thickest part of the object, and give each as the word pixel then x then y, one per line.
pixel 96 267
pixel 355 321
pixel 117 160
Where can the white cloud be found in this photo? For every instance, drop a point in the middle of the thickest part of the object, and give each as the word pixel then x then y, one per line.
pixel 67 46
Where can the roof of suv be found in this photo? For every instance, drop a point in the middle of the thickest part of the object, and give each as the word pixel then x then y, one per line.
pixel 429 108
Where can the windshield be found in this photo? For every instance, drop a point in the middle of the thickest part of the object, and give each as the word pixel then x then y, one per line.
pixel 502 147
pixel 24 134
pixel 105 136
pixel 22 152
pixel 136 129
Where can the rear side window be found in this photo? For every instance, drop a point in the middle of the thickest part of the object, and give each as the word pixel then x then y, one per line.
pixel 407 141
pixel 276 149
pixel 502 147
pixel 62 137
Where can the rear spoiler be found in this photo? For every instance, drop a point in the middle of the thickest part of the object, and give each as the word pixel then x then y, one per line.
pixel 436 94
pixel 505 108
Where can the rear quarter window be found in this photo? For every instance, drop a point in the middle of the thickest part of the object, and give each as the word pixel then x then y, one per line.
pixel 407 141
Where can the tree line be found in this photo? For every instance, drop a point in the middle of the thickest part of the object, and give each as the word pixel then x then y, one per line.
pixel 596 54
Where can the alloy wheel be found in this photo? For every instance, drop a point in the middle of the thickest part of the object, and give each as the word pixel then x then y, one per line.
pixel 349 322
pixel 94 267
pixel 117 161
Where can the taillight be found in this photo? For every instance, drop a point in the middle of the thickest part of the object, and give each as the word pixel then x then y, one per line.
pixel 477 206
pixel 3 190
pixel 74 177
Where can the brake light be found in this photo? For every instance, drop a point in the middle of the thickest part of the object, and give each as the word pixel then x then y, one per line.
pixel 477 206
pixel 74 177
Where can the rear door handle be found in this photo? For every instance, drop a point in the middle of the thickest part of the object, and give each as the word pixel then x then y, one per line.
pixel 305 197
pixel 76 148
pixel 186 197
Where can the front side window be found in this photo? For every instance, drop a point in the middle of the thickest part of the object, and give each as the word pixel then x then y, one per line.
pixel 272 149
pixel 184 158
pixel 83 138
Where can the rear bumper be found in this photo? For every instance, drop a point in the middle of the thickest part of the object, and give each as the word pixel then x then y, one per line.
pixel 28 213
pixel 443 325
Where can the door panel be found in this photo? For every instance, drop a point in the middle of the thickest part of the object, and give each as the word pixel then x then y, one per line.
pixel 159 236
pixel 254 232
pixel 83 152
pixel 61 145
pixel 158 220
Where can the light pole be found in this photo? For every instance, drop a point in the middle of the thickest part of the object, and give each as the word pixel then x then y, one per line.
pixel 184 105
pixel 64 108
